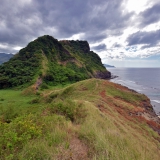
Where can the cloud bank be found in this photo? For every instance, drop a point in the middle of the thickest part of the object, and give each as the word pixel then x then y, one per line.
pixel 113 29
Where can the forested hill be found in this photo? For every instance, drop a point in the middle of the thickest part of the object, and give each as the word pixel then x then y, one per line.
pixel 54 62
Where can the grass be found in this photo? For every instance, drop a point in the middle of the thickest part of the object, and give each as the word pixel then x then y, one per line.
pixel 127 96
pixel 42 126
pixel 107 141
pixel 15 104
pixel 44 64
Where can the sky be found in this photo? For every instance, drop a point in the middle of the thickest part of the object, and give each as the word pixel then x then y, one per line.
pixel 124 33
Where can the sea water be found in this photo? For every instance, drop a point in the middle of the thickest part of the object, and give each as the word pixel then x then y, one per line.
pixel 142 80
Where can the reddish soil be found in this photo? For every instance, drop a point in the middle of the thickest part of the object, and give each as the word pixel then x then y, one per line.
pixel 77 151
pixel 141 114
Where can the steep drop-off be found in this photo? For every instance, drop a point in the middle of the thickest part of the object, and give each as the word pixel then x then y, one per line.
pixel 55 62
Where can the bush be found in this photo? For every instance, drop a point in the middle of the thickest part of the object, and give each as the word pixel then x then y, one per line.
pixel 33 101
pixel 16 134
pixel 71 110
pixel 44 86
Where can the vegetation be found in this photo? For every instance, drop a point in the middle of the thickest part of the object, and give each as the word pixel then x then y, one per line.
pixel 48 110
pixel 85 120
pixel 53 61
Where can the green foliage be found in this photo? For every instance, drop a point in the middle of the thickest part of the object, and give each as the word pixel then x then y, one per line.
pixel 71 110
pixel 35 100
pixel 19 70
pixel 44 86
pixel 59 74
pixel 17 133
pixel 81 50
pixel 16 104
pixel 55 62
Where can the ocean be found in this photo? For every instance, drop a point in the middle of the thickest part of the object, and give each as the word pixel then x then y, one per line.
pixel 142 80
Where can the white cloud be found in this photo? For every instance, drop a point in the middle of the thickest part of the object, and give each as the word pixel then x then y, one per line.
pixel 152 27
pixel 76 36
pixel 137 5
pixel 4 46
pixel 17 48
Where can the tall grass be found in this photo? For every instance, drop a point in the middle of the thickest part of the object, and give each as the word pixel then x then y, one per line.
pixel 41 126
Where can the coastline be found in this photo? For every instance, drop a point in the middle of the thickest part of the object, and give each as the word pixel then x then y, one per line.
pixel 135 91
pixel 140 80
pixel 147 112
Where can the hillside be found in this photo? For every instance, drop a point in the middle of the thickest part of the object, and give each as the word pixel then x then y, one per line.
pixel 5 57
pixel 90 119
pixel 53 62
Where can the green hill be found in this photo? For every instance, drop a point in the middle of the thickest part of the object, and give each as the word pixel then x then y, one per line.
pixel 55 62
pixel 91 119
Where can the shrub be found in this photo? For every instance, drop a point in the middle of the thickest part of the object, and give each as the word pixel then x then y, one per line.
pixel 17 133
pixel 71 110
pixel 33 101
pixel 44 86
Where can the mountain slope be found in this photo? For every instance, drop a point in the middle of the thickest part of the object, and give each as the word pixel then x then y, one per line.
pixel 54 62
pixel 5 57
pixel 90 119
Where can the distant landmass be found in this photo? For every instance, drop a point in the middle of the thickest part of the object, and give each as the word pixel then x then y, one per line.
pixel 4 57
pixel 108 66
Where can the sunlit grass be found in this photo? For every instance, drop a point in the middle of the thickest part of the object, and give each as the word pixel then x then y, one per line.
pixel 41 125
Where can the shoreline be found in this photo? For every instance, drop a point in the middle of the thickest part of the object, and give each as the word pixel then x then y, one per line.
pixel 132 88
pixel 142 80
pixel 134 91
pixel 148 113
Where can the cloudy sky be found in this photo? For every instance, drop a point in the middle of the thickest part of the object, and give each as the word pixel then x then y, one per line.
pixel 125 33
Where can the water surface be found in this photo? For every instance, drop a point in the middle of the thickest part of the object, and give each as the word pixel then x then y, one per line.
pixel 143 80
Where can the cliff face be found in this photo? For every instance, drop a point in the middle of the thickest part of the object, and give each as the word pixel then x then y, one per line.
pixel 102 74
pixel 56 62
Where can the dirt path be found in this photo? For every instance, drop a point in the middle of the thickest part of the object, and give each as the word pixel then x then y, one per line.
pixel 38 83
pixel 77 151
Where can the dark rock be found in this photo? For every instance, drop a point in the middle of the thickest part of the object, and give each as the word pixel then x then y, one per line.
pixel 103 75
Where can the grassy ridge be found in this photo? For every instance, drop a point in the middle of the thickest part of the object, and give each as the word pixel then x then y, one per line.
pixel 86 120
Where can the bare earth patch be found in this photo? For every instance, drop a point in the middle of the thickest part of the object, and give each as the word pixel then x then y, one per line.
pixel 77 151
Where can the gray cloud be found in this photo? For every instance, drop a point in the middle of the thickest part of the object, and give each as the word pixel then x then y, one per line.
pixel 92 38
pixel 148 38
pixel 22 21
pixel 151 15
pixel 100 47
pixel 116 45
